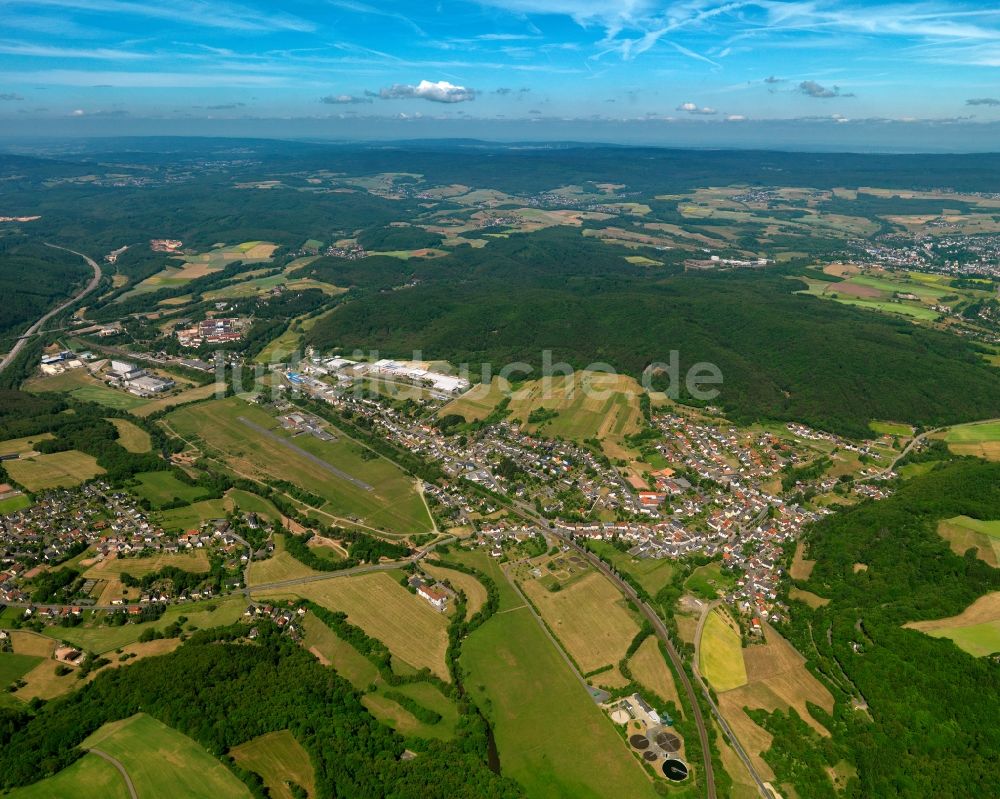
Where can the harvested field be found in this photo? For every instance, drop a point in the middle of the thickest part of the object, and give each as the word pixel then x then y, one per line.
pixel 409 626
pixel 34 644
pixel 777 678
pixel 23 445
pixel 589 617
pixel 55 470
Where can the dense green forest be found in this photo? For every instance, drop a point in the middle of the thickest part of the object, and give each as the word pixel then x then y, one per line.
pixel 930 728
pixel 223 693
pixel 782 355
pixel 33 278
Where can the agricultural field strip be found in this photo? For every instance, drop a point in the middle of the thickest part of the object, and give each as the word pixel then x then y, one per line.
pixel 307 455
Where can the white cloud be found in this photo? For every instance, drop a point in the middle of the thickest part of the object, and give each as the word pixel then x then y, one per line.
pixel 437 92
pixel 344 99
pixel 695 110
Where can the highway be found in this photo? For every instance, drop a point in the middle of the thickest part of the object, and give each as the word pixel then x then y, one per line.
pixel 19 344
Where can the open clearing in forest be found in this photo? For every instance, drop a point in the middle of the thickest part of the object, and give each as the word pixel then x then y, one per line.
pixel 975 630
pixel 333 651
pixel 963 533
pixel 979 439
pixel 164 763
pixel 131 436
pixel 279 759
pixel 379 605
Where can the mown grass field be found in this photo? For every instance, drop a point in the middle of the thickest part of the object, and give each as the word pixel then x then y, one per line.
pixel 378 604
pixel 650 668
pixel 80 385
pixel 708 581
pixel 720 655
pixel 589 618
pixel 475 593
pixel 190 395
pixel 975 630
pixel 14 666
pixel 551 736
pixel 963 533
pixel 279 759
pixel 195 560
pixel 280 566
pixel 15 503
pixel 333 651
pixel 90 777
pixel 652 573
pixel 980 439
pixel 162 488
pixel 390 712
pixel 393 505
pixel 202 615
pixel 163 763
pixel 191 516
pixel 22 445
pixel 891 429
pixel 131 436
pixel 54 470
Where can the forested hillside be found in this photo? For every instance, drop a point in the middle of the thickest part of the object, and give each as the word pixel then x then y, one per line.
pixel 223 694
pixel 33 278
pixel 931 724
pixel 782 355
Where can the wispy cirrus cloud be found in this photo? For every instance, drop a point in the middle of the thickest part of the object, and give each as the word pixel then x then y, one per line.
pixel 224 15
pixel 10 97
pixel 52 51
pixel 991 101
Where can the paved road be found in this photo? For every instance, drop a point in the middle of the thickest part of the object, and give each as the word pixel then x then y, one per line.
pixel 19 344
pixel 121 770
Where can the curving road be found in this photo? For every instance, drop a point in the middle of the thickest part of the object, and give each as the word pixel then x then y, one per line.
pixel 19 344
pixel 121 770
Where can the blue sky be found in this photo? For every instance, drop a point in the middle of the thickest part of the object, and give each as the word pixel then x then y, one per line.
pixel 356 67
